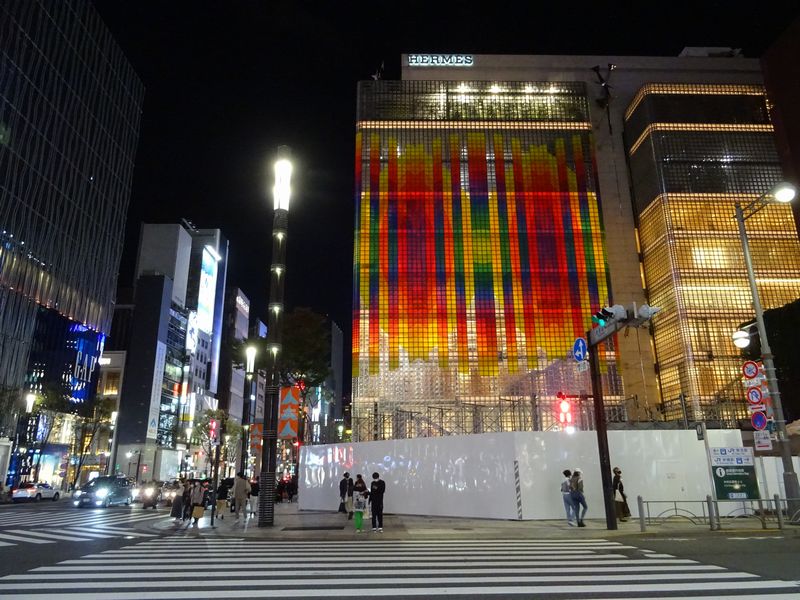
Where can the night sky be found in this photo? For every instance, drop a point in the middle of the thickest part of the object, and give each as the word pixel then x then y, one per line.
pixel 228 81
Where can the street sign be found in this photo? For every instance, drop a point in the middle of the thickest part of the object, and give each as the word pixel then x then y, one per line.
pixel 583 366
pixel 732 456
pixel 762 440
pixel 754 395
pixel 759 421
pixel 579 349
pixel 750 369
pixel 757 407
pixel 736 483
pixel 700 431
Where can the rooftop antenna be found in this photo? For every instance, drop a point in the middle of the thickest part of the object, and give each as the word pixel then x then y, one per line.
pixel 379 73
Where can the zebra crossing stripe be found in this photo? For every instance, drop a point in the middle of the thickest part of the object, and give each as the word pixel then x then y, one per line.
pixel 57 536
pixel 88 532
pixel 7 535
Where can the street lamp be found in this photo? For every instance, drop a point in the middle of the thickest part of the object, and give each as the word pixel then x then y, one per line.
pixel 782 192
pixel 281 193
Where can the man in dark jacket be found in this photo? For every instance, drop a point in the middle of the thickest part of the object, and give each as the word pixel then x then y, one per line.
pixel 376 491
pixel 346 494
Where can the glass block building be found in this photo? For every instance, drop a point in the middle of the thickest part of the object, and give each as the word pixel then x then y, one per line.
pixel 70 106
pixel 695 150
pixel 479 255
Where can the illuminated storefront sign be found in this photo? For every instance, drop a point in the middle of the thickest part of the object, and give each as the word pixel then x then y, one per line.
pixel 440 60
pixel 191 332
pixel 207 294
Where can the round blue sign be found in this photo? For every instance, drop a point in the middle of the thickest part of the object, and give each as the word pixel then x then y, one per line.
pixel 759 421
pixel 580 350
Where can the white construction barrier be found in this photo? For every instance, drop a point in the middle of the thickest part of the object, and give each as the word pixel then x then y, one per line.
pixel 479 475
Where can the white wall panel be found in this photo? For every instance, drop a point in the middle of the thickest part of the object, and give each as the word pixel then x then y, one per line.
pixel 473 476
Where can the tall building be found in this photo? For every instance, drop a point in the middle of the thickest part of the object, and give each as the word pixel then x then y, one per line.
pixel 494 216
pixel 177 320
pixel 70 106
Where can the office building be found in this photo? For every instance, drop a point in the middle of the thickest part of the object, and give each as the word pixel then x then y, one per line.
pixel 69 127
pixel 494 216
pixel 70 107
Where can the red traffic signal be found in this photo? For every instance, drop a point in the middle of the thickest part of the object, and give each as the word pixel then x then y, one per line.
pixel 564 409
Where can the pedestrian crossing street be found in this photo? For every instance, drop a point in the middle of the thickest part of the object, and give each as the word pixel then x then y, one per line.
pixel 70 525
pixel 216 567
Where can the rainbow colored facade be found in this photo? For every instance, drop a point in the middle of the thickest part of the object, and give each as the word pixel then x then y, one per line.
pixel 479 242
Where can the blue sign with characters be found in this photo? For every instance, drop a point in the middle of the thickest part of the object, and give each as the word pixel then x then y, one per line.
pixel 580 351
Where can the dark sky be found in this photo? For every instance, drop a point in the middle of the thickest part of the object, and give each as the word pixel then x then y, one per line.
pixel 228 81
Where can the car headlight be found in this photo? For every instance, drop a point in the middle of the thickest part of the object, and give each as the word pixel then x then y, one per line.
pixel 148 492
pixel 101 493
pixel 77 493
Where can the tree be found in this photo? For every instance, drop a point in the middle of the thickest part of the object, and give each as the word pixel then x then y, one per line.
pixel 51 404
pixel 92 416
pixel 202 432
pixel 10 408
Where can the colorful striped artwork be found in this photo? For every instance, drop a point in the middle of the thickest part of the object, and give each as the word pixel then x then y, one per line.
pixel 475 251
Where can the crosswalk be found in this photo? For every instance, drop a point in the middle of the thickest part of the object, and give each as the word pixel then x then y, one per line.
pixel 216 567
pixel 70 525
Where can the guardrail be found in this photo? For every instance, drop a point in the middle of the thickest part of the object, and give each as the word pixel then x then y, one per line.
pixel 768 512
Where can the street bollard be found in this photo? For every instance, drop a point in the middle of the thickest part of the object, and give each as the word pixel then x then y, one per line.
pixel 778 511
pixel 761 514
pixel 642 518
pixel 710 504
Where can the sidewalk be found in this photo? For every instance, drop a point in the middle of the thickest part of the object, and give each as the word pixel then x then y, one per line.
pixel 293 524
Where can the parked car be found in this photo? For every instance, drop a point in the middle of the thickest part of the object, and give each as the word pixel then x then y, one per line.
pixel 104 491
pixel 29 490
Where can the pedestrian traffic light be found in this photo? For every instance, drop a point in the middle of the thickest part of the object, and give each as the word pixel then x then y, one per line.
pixel 213 431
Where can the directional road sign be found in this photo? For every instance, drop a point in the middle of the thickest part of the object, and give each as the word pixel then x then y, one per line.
pixel 754 395
pixel 579 349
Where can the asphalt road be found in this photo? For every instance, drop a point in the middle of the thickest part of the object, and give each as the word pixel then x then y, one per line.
pixel 52 551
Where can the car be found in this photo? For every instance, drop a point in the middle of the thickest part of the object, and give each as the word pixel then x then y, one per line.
pixel 30 491
pixel 149 494
pixel 169 490
pixel 104 492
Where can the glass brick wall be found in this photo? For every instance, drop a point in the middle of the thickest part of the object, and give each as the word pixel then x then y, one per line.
pixel 479 244
pixel 696 150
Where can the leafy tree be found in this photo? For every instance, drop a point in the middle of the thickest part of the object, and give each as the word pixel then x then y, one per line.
pixel 201 434
pixel 92 416
pixel 10 407
pixel 51 404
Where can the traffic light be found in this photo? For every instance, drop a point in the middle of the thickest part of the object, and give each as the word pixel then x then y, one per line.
pixel 639 315
pixel 564 409
pixel 608 314
pixel 213 431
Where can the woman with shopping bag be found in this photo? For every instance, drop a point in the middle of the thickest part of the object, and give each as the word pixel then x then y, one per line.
pixel 620 499
pixel 196 498
pixel 360 495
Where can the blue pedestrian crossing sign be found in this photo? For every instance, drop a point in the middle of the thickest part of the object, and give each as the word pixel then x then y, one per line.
pixel 580 349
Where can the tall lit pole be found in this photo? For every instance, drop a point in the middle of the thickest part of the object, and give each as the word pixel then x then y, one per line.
pixel 281 194
pixel 783 192
pixel 250 368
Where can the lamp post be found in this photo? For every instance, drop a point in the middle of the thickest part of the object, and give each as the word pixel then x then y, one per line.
pixel 249 413
pixel 188 431
pixel 782 192
pixel 281 194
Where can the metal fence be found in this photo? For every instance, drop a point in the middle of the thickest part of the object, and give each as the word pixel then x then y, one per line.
pixel 769 513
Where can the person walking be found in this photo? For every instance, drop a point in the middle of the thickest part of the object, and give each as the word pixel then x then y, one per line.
pixel 241 488
pixel 620 499
pixel 376 491
pixel 176 511
pixel 222 499
pixel 186 496
pixel 196 498
pixel 566 496
pixel 359 502
pixel 346 495
pixel 578 499
pixel 252 499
